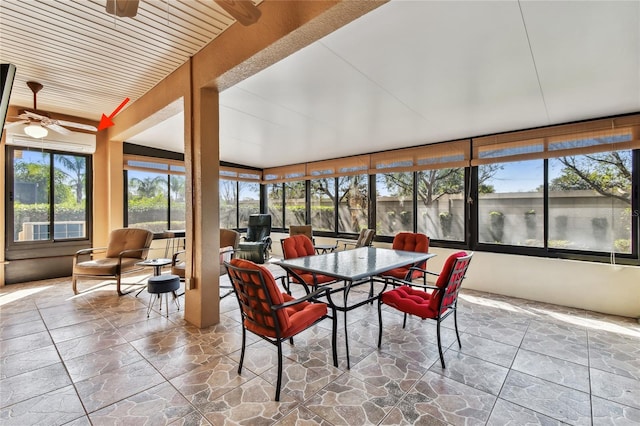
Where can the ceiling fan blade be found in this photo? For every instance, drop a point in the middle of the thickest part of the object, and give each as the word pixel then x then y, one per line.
pixel 33 115
pixel 243 11
pixel 77 125
pixel 15 123
pixel 122 8
pixel 52 125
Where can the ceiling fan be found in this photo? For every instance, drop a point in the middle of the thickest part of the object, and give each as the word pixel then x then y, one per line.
pixel 40 121
pixel 243 11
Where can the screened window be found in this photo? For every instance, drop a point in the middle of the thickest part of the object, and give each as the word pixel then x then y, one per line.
pixel 228 190
pixel 275 204
pixel 295 203
pixel 394 203
pixel 248 201
pixel 323 202
pixel 155 189
pixel 511 203
pixel 441 203
pixel 353 203
pixel 590 202
pixel 148 201
pixel 49 195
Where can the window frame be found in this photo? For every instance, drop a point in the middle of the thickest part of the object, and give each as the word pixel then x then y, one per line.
pixel 16 250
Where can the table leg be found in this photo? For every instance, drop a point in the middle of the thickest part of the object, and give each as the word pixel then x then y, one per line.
pixel 346 334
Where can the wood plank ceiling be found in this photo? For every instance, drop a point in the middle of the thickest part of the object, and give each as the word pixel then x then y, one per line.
pixel 89 61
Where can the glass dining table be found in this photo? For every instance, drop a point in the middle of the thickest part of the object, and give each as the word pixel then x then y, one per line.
pixel 352 267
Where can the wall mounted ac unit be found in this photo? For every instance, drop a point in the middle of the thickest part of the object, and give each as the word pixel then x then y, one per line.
pixel 83 143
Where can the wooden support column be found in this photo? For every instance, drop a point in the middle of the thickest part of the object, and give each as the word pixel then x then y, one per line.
pixel 202 304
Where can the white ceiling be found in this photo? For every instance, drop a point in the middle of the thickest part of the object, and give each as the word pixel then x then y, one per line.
pixel 416 72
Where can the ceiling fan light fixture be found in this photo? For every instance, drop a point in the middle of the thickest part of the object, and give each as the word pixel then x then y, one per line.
pixel 36 131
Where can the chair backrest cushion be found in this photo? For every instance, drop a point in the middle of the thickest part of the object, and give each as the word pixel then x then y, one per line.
pixel 252 294
pixel 229 238
pixel 259 227
pixel 297 246
pixel 129 239
pixel 416 242
pixel 409 241
pixel 450 279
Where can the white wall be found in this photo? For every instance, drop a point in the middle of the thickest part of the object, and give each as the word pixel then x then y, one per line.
pixel 610 289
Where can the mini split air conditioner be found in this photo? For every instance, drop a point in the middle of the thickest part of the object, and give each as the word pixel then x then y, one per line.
pixel 83 143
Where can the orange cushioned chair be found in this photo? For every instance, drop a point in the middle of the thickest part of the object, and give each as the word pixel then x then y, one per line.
pixel 438 304
pixel 299 246
pixel 272 315
pixel 126 247
pixel 409 241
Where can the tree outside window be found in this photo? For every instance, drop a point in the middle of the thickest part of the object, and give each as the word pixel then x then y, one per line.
pixel 590 202
pixel 353 203
pixel 39 178
pixel 323 202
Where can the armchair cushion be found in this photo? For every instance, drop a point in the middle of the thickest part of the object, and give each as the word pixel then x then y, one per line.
pixel 107 266
pixel 128 239
pixel 411 300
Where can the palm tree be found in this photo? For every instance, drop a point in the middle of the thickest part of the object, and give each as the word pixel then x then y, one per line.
pixel 177 185
pixel 78 166
pixel 149 186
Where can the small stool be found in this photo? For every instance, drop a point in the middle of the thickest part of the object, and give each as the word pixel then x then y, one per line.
pixel 163 284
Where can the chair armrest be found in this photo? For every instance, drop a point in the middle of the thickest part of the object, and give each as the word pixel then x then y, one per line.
pixel 90 250
pixel 314 294
pixel 398 281
pixel 346 243
pixel 87 251
pixel 415 268
pixel 174 258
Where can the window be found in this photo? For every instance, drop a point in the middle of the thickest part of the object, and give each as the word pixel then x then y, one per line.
pixel 441 203
pixel 248 201
pixel 511 203
pixel 353 203
pixel 148 201
pixel 275 204
pixel 49 194
pixel 228 190
pixel 590 202
pixel 394 203
pixel 177 202
pixel 564 191
pixel 323 204
pixel 155 189
pixel 295 203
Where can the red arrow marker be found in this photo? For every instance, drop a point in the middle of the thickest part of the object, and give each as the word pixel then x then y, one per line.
pixel 106 121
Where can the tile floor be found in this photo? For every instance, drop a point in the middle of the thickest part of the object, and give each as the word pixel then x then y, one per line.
pixel 97 359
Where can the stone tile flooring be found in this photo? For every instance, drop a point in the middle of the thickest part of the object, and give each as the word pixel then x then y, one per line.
pixel 96 359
